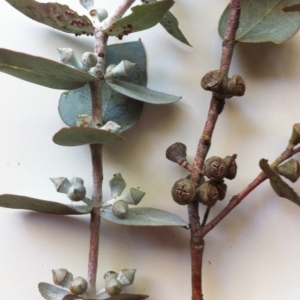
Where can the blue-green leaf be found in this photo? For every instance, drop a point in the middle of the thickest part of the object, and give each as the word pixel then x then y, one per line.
pixel 43 206
pixel 170 23
pixel 141 93
pixel 143 216
pixel 55 15
pixel 53 292
pixel 116 107
pixel 42 71
pixel 78 136
pixel 142 17
pixel 264 21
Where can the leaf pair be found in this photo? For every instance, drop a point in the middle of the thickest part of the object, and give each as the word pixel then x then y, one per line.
pixel 118 99
pixel 136 216
pixel 63 18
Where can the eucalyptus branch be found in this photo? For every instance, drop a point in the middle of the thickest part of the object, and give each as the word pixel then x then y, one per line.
pixel 216 107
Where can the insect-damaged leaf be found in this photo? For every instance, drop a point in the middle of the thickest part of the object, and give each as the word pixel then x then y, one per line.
pixel 42 71
pixel 116 107
pixel 141 93
pixel 170 23
pixel 264 21
pixel 281 188
pixel 55 15
pixel 43 206
pixel 78 136
pixel 143 216
pixel 142 17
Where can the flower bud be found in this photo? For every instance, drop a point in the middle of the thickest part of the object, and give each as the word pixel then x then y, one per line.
pixel 120 209
pixel 67 57
pixel 78 286
pixel 110 274
pixel 62 277
pixel 113 287
pixel 88 61
pixel 76 191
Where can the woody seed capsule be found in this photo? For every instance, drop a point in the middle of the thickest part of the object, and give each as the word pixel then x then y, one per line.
pixel 183 191
pixel 215 168
pixel 208 194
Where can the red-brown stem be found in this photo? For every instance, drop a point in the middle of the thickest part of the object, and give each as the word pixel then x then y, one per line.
pixel 229 38
pixel 96 150
pixel 237 199
pixel 216 107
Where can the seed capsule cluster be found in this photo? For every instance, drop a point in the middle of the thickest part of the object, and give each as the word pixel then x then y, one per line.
pixel 216 169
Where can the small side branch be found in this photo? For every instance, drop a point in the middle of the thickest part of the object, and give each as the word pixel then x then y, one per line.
pixel 242 195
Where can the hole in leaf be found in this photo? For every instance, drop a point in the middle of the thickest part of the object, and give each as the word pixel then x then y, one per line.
pixel 292 8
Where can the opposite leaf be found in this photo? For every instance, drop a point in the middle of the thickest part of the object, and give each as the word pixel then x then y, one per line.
pixel 170 23
pixel 43 206
pixel 55 15
pixel 141 93
pixel 142 17
pixel 42 71
pixel 143 216
pixel 264 21
pixel 279 186
pixel 78 136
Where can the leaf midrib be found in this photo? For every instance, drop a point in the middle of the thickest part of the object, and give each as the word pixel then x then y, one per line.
pixel 264 16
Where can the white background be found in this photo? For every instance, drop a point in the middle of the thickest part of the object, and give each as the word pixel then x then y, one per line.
pixel 252 254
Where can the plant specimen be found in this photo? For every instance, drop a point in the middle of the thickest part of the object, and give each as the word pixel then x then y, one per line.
pixel 219 165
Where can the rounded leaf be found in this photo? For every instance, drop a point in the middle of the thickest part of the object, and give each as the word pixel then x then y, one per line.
pixel 116 107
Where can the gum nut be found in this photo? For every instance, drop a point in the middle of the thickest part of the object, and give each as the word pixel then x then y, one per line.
pixel 59 276
pixel 89 59
pixel 78 286
pixel 110 274
pixel 62 184
pixel 126 276
pixel 87 4
pixel 76 192
pixel 102 13
pixel 110 68
pixel 120 209
pixel 113 287
pixel 77 180
pixel 176 153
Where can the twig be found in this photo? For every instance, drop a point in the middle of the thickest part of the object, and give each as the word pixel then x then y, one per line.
pixel 96 149
pixel 216 107
pixel 205 216
pixel 235 200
